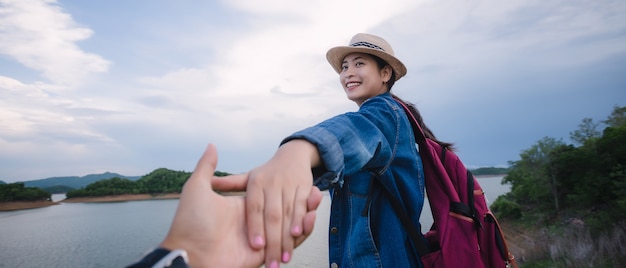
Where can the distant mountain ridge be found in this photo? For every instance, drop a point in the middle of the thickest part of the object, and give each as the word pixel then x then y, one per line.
pixel 75 182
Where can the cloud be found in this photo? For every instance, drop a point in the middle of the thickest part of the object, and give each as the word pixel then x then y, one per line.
pixel 47 39
pixel 446 42
pixel 263 74
pixel 30 113
pixel 244 74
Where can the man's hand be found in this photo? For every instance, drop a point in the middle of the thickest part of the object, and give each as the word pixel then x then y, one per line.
pixel 213 228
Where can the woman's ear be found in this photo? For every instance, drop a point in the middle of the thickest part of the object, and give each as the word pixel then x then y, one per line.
pixel 385 73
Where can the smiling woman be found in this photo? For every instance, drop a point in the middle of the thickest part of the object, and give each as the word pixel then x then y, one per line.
pixel 343 154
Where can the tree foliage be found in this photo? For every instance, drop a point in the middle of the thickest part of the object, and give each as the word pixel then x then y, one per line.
pixel 617 117
pixel 490 171
pixel 159 181
pixel 528 177
pixel 17 192
pixel 58 189
pixel 163 181
pixel 113 186
pixel 588 180
pixel 586 130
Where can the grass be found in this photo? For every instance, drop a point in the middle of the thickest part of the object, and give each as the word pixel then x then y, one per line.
pixel 575 246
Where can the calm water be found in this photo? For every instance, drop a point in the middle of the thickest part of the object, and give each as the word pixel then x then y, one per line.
pixel 116 234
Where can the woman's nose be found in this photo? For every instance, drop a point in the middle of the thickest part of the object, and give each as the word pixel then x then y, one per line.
pixel 348 72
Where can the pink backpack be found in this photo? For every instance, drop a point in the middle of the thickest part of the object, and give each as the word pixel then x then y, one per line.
pixel 465 233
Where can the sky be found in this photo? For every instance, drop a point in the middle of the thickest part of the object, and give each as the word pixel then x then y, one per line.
pixel 131 86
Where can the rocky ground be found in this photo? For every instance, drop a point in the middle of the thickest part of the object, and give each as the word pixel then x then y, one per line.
pixel 521 242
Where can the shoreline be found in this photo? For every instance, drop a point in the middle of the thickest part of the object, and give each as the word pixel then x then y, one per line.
pixel 121 198
pixel 20 205
pixel 489 176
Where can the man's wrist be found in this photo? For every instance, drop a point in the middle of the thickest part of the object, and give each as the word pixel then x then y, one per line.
pixel 162 258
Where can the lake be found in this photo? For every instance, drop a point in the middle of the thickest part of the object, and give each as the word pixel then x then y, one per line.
pixel 117 234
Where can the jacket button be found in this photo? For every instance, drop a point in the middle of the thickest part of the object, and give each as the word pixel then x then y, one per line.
pixel 334 265
pixel 334 230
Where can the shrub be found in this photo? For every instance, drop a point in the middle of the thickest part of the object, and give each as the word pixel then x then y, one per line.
pixel 505 208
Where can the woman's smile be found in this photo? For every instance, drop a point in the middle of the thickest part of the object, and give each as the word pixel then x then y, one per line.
pixel 362 78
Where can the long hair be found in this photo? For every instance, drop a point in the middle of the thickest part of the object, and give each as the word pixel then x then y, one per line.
pixel 427 132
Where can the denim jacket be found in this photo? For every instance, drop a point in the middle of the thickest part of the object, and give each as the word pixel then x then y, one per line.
pixel 364 230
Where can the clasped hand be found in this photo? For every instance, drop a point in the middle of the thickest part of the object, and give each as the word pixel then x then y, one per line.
pixel 278 200
pixel 213 229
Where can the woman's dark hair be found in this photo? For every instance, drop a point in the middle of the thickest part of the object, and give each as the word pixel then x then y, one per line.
pixel 381 64
pixel 427 132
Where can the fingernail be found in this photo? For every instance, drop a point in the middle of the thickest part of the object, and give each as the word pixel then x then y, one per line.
pixel 259 241
pixel 286 257
pixel 274 264
pixel 296 229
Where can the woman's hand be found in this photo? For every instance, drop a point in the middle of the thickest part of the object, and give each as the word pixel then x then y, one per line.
pixel 276 200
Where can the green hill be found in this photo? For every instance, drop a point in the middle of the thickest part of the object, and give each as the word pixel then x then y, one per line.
pixel 159 181
pixel 489 171
pixel 58 189
pixel 75 182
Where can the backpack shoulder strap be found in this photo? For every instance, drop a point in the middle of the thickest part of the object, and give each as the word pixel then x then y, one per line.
pixel 420 243
pixel 417 129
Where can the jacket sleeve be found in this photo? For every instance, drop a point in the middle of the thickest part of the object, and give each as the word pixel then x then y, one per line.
pixel 352 142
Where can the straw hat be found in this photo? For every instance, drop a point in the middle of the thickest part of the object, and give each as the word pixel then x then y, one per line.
pixel 368 44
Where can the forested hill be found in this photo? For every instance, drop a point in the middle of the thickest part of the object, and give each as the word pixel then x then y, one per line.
pixel 159 181
pixel 75 182
pixel 489 171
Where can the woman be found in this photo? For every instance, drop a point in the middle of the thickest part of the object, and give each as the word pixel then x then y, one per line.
pixel 353 155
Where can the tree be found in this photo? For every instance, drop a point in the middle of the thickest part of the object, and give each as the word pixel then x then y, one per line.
pixel 530 180
pixel 112 186
pixel 163 180
pixel 588 181
pixel 587 130
pixel 17 192
pixel 617 117
pixel 565 169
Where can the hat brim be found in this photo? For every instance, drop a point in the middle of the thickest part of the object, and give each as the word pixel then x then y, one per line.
pixel 336 55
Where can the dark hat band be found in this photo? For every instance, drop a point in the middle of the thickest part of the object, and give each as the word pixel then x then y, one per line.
pixel 366 44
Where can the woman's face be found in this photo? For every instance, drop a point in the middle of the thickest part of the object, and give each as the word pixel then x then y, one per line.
pixel 361 77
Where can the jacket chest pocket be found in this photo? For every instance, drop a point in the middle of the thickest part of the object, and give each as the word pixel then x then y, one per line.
pixel 363 250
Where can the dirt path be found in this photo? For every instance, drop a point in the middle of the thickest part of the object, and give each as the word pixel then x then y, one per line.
pixel 521 242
